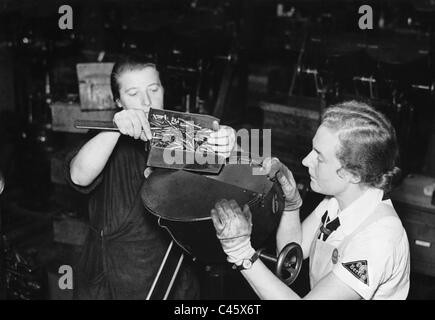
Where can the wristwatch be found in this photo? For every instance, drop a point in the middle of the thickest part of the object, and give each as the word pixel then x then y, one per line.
pixel 247 263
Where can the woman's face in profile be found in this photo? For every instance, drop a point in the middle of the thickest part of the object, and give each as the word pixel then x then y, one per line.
pixel 323 164
pixel 140 89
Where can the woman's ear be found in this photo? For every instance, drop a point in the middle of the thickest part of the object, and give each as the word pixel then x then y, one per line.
pixel 118 103
pixel 355 178
pixel 352 177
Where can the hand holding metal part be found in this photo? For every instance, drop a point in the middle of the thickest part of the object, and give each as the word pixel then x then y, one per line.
pixel 276 170
pixel 134 123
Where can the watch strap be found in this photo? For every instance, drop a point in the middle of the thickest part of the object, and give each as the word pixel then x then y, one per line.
pixel 254 258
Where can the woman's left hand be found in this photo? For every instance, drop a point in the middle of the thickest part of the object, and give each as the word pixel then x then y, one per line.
pixel 222 140
pixel 233 228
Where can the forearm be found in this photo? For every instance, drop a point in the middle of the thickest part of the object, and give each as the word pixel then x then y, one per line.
pixel 92 157
pixel 289 229
pixel 266 285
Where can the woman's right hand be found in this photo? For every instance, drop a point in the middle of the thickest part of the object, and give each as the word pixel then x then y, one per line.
pixel 275 169
pixel 133 123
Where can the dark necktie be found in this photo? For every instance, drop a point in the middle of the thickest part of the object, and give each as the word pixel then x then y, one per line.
pixel 330 227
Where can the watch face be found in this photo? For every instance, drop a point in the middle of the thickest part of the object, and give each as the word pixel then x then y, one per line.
pixel 247 264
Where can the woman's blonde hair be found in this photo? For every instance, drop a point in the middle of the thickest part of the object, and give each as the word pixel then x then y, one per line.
pixel 368 140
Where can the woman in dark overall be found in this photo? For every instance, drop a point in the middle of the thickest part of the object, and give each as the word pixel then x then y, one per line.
pixel 125 246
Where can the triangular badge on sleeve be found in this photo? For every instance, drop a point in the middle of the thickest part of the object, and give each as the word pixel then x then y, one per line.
pixel 359 269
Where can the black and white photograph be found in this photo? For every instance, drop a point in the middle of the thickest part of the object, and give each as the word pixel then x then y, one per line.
pixel 215 154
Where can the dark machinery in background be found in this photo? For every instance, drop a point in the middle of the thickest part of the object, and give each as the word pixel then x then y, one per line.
pixel 326 56
pixel 195 63
pixel 21 278
pixel 24 278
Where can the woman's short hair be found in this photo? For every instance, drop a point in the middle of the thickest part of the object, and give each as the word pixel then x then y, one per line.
pixel 126 63
pixel 368 140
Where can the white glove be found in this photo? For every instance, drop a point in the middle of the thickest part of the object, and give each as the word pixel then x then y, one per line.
pixel 233 229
